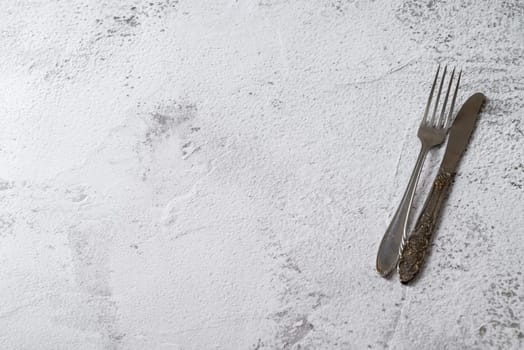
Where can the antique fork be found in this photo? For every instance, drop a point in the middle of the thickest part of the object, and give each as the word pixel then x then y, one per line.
pixel 431 132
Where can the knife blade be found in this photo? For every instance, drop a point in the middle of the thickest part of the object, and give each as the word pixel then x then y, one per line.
pixel 416 246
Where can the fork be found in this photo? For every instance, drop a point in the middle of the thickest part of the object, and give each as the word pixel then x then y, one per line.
pixel 431 132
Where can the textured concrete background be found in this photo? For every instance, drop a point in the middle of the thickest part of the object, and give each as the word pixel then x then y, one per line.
pixel 218 175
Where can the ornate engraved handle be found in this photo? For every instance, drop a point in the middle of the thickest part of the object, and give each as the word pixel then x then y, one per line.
pixel 415 247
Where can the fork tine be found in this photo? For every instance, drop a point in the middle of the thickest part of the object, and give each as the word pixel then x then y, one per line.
pixel 425 119
pixel 441 120
pixel 450 115
pixel 432 122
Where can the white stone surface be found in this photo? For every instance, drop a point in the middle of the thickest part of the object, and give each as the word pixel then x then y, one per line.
pixel 218 174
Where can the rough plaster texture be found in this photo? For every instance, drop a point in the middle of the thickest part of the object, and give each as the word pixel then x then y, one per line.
pixel 218 174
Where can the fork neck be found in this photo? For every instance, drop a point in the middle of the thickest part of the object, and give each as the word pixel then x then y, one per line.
pixel 424 149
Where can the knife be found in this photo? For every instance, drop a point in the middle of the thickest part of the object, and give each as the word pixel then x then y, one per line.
pixel 416 246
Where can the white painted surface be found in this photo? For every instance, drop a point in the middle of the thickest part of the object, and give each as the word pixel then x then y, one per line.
pixel 218 175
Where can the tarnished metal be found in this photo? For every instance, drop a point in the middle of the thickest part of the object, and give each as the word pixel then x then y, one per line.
pixel 432 132
pixel 416 246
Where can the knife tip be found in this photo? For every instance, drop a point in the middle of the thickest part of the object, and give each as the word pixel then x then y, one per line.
pixel 479 95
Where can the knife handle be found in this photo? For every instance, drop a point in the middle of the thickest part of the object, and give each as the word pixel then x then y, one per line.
pixel 416 246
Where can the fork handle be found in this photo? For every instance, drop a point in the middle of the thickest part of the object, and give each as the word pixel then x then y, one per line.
pixel 418 243
pixel 388 252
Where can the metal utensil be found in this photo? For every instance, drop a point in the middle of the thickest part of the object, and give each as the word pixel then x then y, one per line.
pixel 432 132
pixel 414 251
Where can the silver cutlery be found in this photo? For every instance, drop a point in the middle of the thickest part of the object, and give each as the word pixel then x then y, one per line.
pixel 431 132
pixel 414 250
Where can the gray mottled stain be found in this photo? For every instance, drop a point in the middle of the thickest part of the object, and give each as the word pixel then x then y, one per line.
pixel 169 119
pixel 124 22
pixel 7 221
pixel 505 297
pixel 92 277
pixel 295 332
pixel 6 185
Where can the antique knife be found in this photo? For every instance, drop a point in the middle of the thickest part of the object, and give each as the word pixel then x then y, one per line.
pixel 415 247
